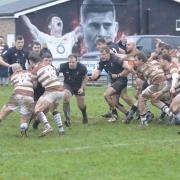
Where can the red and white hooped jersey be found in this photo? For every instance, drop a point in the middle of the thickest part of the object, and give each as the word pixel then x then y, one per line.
pixel 46 75
pixel 22 83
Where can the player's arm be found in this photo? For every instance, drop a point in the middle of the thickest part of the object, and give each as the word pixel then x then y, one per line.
pixel 95 75
pixel 165 89
pixel 121 56
pixel 3 63
pixel 83 83
pixel 121 51
pixel 127 68
pixel 175 77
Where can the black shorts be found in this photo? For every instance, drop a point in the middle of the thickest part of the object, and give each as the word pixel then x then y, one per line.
pixel 145 85
pixel 119 85
pixel 73 90
pixel 38 91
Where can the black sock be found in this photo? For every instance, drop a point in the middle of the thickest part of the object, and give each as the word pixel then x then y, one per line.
pixel 134 108
pixel 85 119
pixel 114 111
pixel 66 109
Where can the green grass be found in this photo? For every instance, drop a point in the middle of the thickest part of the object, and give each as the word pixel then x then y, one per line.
pixel 97 151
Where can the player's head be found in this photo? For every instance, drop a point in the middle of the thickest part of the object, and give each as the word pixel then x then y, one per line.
pixel 166 49
pixel 16 67
pixel 34 58
pixel 139 59
pixel 36 47
pixel 72 61
pixel 47 58
pixel 100 43
pixel 104 54
pixel 98 19
pixel 130 46
pixel 55 25
pixel 165 59
pixel 19 42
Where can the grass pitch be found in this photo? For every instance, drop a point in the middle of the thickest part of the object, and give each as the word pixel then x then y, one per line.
pixel 97 151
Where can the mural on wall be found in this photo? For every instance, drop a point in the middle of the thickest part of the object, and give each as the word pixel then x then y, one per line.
pixel 74 26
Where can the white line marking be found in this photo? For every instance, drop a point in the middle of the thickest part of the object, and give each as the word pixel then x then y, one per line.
pixel 81 148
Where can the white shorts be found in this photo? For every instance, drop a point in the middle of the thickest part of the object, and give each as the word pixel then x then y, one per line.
pixel 24 103
pixel 48 101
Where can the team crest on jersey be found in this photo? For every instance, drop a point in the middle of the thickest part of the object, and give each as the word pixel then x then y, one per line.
pixel 60 49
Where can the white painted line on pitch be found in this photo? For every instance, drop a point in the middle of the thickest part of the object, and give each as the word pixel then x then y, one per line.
pixel 81 148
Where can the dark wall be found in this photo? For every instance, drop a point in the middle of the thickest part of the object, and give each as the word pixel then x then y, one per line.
pixel 162 16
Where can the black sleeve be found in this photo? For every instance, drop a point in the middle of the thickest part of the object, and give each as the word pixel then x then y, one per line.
pixel 84 69
pixel 119 60
pixel 7 56
pixel 100 66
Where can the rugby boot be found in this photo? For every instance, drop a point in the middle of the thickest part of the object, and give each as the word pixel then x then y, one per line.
pixel 46 131
pixel 61 130
pixel 23 132
pixel 107 115
pixel 149 116
pixel 67 123
pixel 113 118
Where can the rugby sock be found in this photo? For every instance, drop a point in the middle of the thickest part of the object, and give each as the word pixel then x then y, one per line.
pixel 132 111
pixel 167 110
pixel 24 126
pixel 114 111
pixel 58 121
pixel 42 117
pixel 134 108
pixel 178 115
pixel 143 118
pixel 66 109
pixel 85 119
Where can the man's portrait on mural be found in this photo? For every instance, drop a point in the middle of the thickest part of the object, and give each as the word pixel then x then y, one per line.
pixel 98 20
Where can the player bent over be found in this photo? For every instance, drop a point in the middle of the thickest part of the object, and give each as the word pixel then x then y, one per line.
pixel 45 73
pixel 154 74
pixel 22 97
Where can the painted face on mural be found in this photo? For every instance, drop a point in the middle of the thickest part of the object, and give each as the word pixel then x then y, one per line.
pixel 98 25
pixel 56 26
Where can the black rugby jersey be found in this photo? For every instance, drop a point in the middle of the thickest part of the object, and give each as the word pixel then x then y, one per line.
pixel 73 77
pixel 13 55
pixel 112 66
